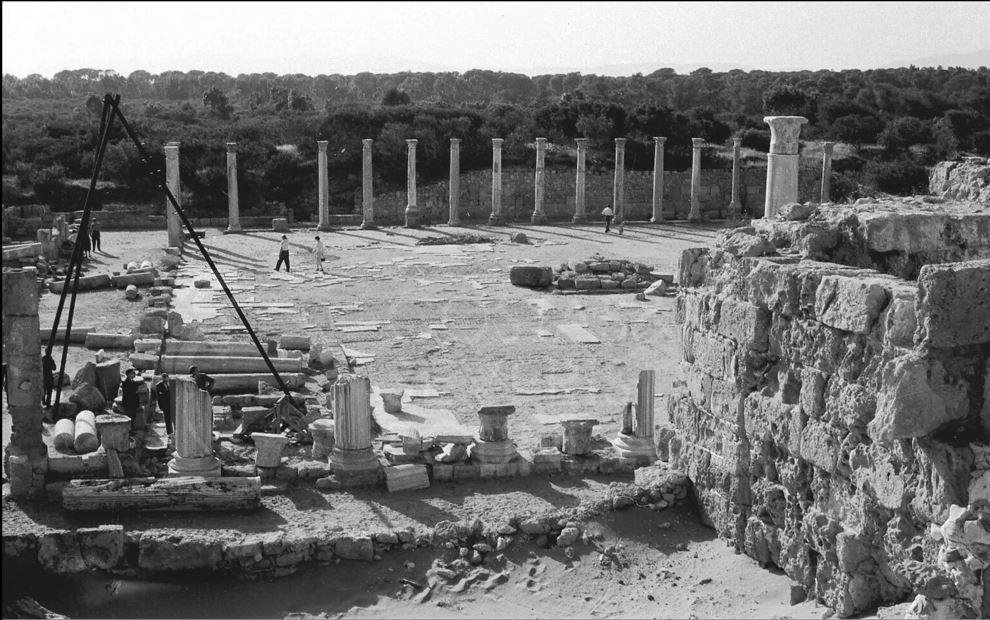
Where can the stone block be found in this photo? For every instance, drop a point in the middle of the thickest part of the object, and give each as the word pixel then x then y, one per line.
pixel 953 304
pixel 102 547
pixel 745 323
pixel 294 343
pixel 850 303
pixel 143 361
pixel 59 552
pixel 531 276
pixel 355 548
pixel 586 282
pixel 820 445
pixel 109 341
pixel 712 354
pixel 406 477
pixel 443 472
pixel 280 224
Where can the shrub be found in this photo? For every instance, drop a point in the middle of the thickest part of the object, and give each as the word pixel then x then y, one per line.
pixel 757 139
pixel 900 177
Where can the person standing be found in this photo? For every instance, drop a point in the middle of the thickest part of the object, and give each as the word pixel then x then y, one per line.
pixel 130 400
pixel 163 396
pixel 95 234
pixel 283 254
pixel 203 380
pixel 608 214
pixel 48 377
pixel 319 252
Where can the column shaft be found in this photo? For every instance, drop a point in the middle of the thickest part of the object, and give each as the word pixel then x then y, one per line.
pixel 826 195
pixel 352 412
pixel 644 404
pixel 782 162
pixel 496 219
pixel 22 342
pixel 579 183
pixel 455 181
pixel 539 216
pixel 323 190
pixel 172 222
pixel 619 183
pixel 233 204
pixel 193 431
pixel 695 213
pixel 734 203
pixel 367 191
pixel 412 211
pixel 658 146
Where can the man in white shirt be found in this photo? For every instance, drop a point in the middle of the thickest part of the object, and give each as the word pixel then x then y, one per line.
pixel 319 252
pixel 607 212
pixel 283 254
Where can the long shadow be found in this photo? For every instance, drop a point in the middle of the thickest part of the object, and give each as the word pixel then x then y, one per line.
pixel 410 503
pixel 677 234
pixel 367 238
pixel 227 262
pixel 546 232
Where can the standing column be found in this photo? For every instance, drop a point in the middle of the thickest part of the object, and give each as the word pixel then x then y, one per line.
pixel 323 191
pixel 233 205
pixel 619 184
pixel 695 213
pixel 412 211
pixel 193 431
pixel 493 446
pixel 582 153
pixel 541 152
pixel 734 204
pixel 352 460
pixel 172 222
pixel 455 181
pixel 782 162
pixel 658 142
pixel 643 426
pixel 367 191
pixel 826 172
pixel 26 454
pixel 496 219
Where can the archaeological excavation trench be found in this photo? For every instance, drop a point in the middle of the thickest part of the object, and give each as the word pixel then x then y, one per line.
pixel 829 420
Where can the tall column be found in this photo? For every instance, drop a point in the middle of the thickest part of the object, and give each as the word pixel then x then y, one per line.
pixel 619 184
pixel 695 214
pixel 496 219
pixel 826 195
pixel 172 222
pixel 233 204
pixel 26 456
pixel 734 204
pixel 412 211
pixel 323 191
pixel 644 404
pixel 352 454
pixel 782 162
pixel 193 431
pixel 539 216
pixel 455 181
pixel 367 190
pixel 658 142
pixel 579 183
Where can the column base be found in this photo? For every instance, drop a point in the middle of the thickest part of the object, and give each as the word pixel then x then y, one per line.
pixel 632 447
pixel 496 220
pixel 493 452
pixel 694 216
pixel 323 228
pixel 205 466
pixel 342 460
pixel 538 218
pixel 350 480
pixel 369 225
pixel 657 220
pixel 579 219
pixel 233 230
pixel 412 218
pixel 453 223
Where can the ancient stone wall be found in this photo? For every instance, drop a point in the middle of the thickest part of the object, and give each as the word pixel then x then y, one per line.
pixel 835 417
pixel 518 195
pixel 962 180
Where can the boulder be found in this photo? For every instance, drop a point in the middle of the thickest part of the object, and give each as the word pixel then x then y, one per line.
pixel 531 276
pixel 86 374
pixel 87 397
pixel 519 237
pixel 658 288
pixel 796 212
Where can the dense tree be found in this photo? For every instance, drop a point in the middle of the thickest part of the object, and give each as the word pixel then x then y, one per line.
pixel 217 102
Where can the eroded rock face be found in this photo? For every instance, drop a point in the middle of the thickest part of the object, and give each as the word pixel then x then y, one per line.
pixel 834 419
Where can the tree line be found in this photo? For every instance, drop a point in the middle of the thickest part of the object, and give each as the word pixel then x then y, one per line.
pixel 897 121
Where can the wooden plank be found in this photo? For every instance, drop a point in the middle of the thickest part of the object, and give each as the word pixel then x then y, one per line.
pixel 578 334
pixel 189 493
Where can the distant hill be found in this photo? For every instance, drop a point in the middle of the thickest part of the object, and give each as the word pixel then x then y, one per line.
pixel 970 60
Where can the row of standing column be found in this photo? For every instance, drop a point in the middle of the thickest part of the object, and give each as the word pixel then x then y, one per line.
pixel 781 180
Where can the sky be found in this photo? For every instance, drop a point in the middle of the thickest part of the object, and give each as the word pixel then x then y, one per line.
pixel 615 38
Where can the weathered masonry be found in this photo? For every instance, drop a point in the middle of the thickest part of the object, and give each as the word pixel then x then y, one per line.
pixel 836 416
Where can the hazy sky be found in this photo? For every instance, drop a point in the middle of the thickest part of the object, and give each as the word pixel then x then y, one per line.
pixel 526 37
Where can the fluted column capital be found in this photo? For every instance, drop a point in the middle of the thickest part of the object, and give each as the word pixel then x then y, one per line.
pixel 411 143
pixel 231 147
pixel 784 131
pixel 366 142
pixel 697 143
pixel 659 140
pixel 497 142
pixel 322 145
pixel 455 141
pixel 620 143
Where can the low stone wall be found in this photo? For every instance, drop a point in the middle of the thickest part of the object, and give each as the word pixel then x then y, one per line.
pixel 518 195
pixel 835 419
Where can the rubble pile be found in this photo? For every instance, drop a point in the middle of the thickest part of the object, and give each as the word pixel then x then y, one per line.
pixel 836 413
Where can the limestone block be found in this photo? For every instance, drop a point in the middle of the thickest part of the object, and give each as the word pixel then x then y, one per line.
pixel 144 361
pixel 406 477
pixel 102 547
pixel 954 304
pixel 820 445
pixel 294 343
pixel 140 278
pixel 108 378
pixel 817 346
pixel 850 304
pixel 355 548
pixel 916 398
pixel 899 321
pixel 270 448
pixel 392 399
pixel 946 471
pixel 692 267
pixel 280 224
pixel 745 323
pixel 531 276
pixel 109 341
pixel 86 374
pixel 86 283
pixel 151 324
pixel 87 397
pixel 58 552
pixel 608 284
pixel 163 550
pixel 712 354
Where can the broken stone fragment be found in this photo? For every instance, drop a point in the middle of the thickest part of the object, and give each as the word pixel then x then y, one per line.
pixel 531 276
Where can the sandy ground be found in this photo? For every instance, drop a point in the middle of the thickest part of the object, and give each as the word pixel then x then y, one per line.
pixel 449 322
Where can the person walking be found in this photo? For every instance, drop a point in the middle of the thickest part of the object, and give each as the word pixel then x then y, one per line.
pixel 48 377
pixel 86 243
pixel 130 401
pixel 163 396
pixel 319 252
pixel 608 214
pixel 95 234
pixel 283 254
pixel 203 380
